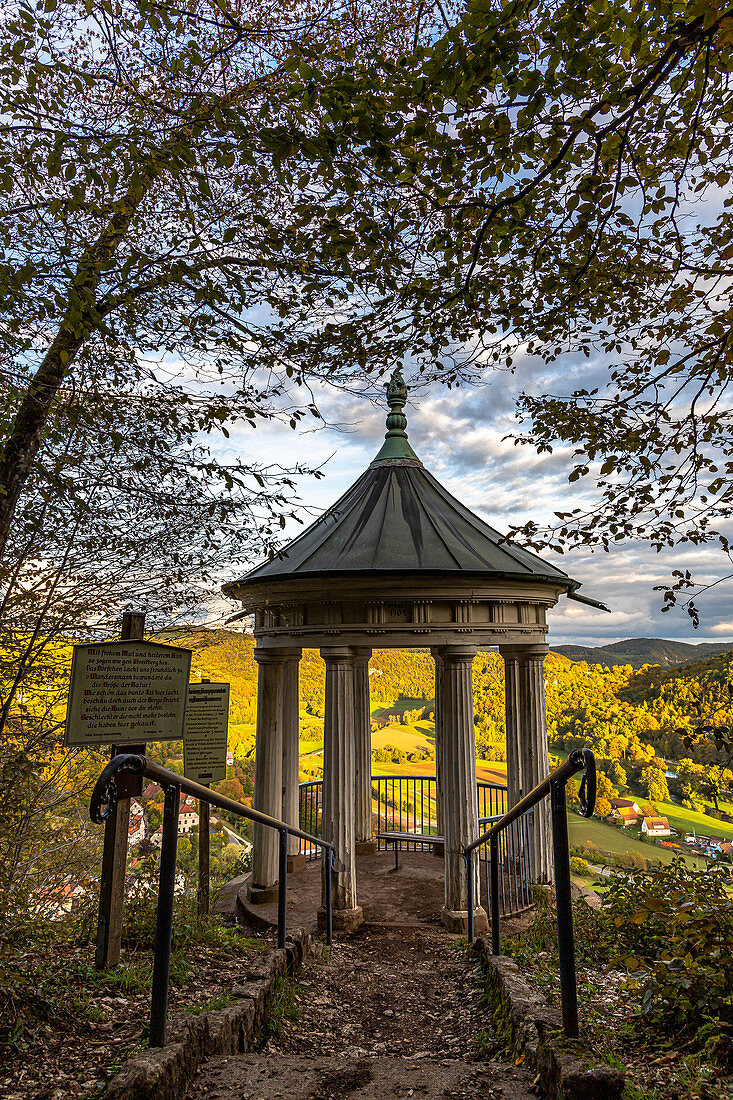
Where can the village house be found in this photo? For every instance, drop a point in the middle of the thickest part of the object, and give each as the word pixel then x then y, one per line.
pixel 655 826
pixel 188 815
pixel 188 819
pixel 136 829
pixel 57 901
pixel 625 803
pixel 626 815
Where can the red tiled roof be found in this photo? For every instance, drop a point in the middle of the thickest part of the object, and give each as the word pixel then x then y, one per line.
pixel 656 822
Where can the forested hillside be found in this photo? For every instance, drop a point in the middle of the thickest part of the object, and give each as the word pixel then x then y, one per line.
pixel 638 652
pixel 633 719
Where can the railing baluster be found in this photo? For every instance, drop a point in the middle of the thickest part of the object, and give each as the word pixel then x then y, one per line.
pixel 507 830
pixel 328 864
pixel 282 887
pixel 468 857
pixel 164 917
pixel 564 907
pixel 103 803
pixel 495 917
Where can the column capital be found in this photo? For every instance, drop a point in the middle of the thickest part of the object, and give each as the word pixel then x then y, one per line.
pixel 533 652
pixel 268 655
pixel 361 652
pixel 456 654
pixel 338 654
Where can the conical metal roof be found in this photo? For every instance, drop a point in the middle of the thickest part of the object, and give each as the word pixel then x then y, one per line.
pixel 396 518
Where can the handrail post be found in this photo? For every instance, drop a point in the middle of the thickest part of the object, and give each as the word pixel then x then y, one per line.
pixel 164 918
pixel 328 867
pixel 564 904
pixel 282 887
pixel 495 916
pixel 468 856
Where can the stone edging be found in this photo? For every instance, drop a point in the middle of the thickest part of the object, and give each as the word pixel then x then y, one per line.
pixel 164 1074
pixel 567 1069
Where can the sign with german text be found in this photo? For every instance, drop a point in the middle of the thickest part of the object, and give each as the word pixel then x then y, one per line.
pixel 127 692
pixel 205 733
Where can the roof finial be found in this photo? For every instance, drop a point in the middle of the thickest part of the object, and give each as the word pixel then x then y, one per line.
pixel 396 399
pixel 396 448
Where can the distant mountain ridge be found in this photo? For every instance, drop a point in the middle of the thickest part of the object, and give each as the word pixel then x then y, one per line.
pixel 643 651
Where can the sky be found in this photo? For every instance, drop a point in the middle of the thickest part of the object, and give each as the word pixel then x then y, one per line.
pixel 459 434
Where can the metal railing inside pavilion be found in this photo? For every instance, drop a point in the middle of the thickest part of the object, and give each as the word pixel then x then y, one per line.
pixel 407 804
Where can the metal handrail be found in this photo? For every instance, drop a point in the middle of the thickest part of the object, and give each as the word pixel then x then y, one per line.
pixel 102 804
pixel 579 760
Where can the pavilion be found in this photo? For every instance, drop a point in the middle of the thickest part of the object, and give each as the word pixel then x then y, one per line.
pixel 397 562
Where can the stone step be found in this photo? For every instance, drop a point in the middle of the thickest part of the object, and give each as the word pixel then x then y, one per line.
pixel 298 1077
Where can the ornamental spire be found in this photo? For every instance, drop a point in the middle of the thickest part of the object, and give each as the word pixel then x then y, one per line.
pixel 396 448
pixel 396 399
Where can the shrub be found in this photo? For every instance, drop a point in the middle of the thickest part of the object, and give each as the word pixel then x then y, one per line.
pixel 578 866
pixel 591 934
pixel 673 930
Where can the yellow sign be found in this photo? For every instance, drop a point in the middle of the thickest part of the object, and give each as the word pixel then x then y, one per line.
pixel 126 692
pixel 205 733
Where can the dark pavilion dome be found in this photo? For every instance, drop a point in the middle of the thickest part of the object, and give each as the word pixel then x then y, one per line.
pixel 398 519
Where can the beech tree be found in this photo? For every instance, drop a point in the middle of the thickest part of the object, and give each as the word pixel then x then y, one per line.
pixel 168 240
pixel 567 172
pixel 169 234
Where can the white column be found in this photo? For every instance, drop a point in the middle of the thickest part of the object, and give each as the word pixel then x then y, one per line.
pixel 535 762
pixel 363 751
pixel 339 786
pixel 513 737
pixel 268 772
pixel 437 715
pixel 458 773
pixel 291 753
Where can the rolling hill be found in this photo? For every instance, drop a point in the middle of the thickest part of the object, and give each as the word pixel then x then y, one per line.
pixel 643 651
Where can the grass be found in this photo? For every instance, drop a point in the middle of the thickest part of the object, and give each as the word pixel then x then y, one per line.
pixel 282 1005
pixel 222 1000
pixel 382 710
pixel 609 839
pixel 407 738
pixel 685 821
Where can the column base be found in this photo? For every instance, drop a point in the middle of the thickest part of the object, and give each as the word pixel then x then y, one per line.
pixel 365 848
pixel 260 895
pixel 456 920
pixel 344 920
pixel 296 863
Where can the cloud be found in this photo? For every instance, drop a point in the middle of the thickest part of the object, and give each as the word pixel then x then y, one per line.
pixel 459 435
pixel 722 628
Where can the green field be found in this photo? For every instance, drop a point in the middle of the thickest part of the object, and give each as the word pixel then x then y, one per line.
pixel 609 839
pixel 685 821
pixel 382 709
pixel 419 738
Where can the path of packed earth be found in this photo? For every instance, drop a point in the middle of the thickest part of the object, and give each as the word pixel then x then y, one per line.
pixel 390 1013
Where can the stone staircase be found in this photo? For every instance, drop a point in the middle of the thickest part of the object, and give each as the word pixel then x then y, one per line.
pixel 389 1013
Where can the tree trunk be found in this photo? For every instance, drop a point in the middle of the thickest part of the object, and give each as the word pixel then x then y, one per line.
pixel 83 316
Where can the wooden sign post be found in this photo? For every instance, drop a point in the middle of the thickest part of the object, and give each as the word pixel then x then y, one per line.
pixel 204 760
pixel 127 692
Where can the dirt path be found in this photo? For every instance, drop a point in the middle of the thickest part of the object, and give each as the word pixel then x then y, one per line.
pixel 391 1013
